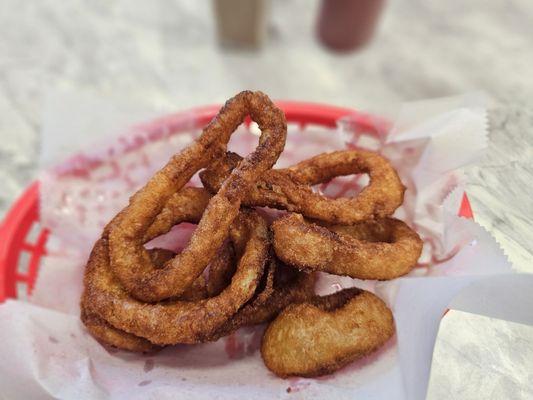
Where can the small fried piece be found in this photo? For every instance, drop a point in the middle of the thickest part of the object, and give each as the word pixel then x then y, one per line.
pixel 320 336
pixel 290 188
pixel 376 249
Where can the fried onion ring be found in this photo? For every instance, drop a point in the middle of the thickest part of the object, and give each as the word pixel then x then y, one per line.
pixel 376 249
pixel 289 189
pixel 107 334
pixel 111 336
pixel 198 289
pixel 284 285
pixel 130 261
pixel 221 270
pixel 177 321
pixel 320 336
pixel 290 286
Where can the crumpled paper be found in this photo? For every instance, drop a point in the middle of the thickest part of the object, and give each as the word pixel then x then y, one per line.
pixel 484 349
pixel 428 142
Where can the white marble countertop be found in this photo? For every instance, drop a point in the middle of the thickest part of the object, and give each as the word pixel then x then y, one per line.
pixel 165 53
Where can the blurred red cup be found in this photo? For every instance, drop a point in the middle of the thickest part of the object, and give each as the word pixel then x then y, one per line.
pixel 345 25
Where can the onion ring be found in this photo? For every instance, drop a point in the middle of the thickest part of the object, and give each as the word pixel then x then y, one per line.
pixel 130 261
pixel 111 336
pixel 290 286
pixel 221 269
pixel 177 321
pixel 188 205
pixel 283 285
pixel 320 336
pixel 198 289
pixel 289 189
pixel 376 249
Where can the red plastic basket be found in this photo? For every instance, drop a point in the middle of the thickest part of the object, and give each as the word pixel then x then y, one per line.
pixel 22 239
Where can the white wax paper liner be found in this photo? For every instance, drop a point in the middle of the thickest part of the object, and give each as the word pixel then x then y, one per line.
pixel 428 142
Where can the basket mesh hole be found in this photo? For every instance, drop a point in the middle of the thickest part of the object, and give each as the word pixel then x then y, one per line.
pixel 22 290
pixel 33 233
pixel 24 262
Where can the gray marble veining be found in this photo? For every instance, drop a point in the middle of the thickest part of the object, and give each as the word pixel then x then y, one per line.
pixel 500 186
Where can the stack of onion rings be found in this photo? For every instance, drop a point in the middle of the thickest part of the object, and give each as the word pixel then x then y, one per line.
pixel 237 270
pixel 177 321
pixel 130 261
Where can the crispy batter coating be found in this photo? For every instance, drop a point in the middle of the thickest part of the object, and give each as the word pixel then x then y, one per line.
pixel 111 336
pixel 319 337
pixel 221 269
pixel 263 294
pixel 375 249
pixel 290 286
pixel 130 261
pixel 108 334
pixel 198 289
pixel 290 189
pixel 283 285
pixel 177 321
pixel 186 205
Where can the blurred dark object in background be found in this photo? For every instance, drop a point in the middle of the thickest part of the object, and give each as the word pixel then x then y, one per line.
pixel 241 23
pixel 345 25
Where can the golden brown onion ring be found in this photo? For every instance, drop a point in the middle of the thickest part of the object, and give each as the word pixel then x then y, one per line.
pixel 320 336
pixel 198 289
pixel 283 285
pixel 375 249
pixel 177 321
pixel 130 261
pixel 290 189
pixel 111 336
pixel 290 286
